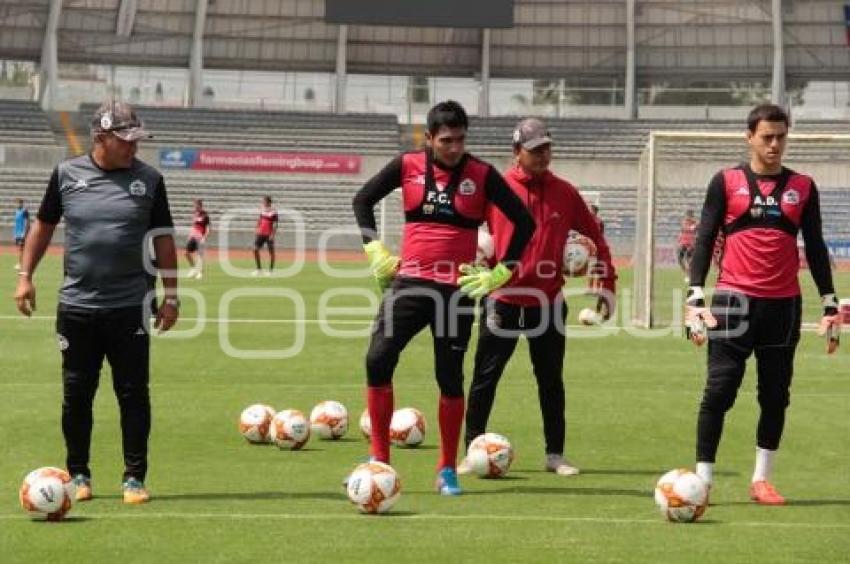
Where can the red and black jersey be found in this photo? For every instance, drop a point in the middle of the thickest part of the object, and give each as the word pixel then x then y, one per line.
pixel 200 225
pixel 687 232
pixel 443 208
pixel 557 207
pixel 760 217
pixel 267 222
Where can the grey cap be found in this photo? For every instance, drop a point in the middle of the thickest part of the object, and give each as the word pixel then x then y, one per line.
pixel 120 119
pixel 531 133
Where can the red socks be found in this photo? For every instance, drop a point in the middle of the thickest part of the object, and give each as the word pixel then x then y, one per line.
pixel 451 419
pixel 379 401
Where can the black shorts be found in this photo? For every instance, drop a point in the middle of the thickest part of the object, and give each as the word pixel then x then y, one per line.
pixel 19 241
pixel 263 240
pixel 192 245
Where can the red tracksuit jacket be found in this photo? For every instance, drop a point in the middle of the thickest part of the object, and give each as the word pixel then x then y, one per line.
pixel 556 207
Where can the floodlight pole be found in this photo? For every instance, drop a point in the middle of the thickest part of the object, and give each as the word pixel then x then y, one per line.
pixel 778 87
pixel 630 98
pixel 484 100
pixel 196 56
pixel 341 76
pixel 49 83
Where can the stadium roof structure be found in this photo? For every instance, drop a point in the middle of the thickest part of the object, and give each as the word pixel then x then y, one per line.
pixel 591 39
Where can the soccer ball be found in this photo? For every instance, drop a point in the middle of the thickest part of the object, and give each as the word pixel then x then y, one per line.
pixel 255 421
pixel 577 253
pixel 490 455
pixel 329 420
pixel 47 493
pixel 588 316
pixel 289 429
pixel 374 487
pixel 681 495
pixel 407 428
pixel 486 248
pixel 366 424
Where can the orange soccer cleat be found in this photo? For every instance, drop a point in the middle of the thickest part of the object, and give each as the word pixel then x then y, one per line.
pixel 135 491
pixel 763 493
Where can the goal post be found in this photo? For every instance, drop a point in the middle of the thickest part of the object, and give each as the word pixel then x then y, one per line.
pixel 674 171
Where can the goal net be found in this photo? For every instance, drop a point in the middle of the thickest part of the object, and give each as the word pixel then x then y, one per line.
pixel 675 169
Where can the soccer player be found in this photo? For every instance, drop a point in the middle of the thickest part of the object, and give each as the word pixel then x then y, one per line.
pixel 197 240
pixel 599 222
pixel 446 194
pixel 685 242
pixel 760 207
pixel 532 303
pixel 22 227
pixel 266 230
pixel 110 200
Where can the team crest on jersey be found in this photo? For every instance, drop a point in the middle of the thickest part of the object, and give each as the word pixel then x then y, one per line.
pixel 467 187
pixel 138 188
pixel 62 341
pixel 791 197
pixel 428 209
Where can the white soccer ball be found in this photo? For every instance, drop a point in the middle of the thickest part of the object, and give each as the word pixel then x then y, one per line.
pixel 255 421
pixel 681 495
pixel 374 487
pixel 588 316
pixel 290 429
pixel 490 455
pixel 407 427
pixel 366 424
pixel 329 420
pixel 577 253
pixel 486 248
pixel 47 493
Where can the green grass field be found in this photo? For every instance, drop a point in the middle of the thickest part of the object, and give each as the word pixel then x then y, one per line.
pixel 631 416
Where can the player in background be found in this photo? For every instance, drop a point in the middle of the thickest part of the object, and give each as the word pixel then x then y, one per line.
pixel 22 227
pixel 265 233
pixel 760 207
pixel 532 303
pixel 594 209
pixel 197 241
pixel 446 194
pixel 685 242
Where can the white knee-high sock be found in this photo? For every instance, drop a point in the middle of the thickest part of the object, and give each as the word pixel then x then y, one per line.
pixel 764 464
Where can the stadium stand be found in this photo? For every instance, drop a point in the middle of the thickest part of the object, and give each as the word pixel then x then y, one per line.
pixel 23 123
pixel 262 130
pixel 624 140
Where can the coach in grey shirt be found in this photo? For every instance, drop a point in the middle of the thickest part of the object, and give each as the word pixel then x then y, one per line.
pixel 110 201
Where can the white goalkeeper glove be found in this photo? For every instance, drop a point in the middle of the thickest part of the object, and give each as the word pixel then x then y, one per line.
pixel 698 318
pixel 830 323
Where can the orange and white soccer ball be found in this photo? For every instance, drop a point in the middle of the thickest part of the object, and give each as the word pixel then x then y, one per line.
pixel 577 253
pixel 374 487
pixel 329 420
pixel 255 422
pixel 47 493
pixel 407 427
pixel 289 429
pixel 490 455
pixel 681 495
pixel 366 424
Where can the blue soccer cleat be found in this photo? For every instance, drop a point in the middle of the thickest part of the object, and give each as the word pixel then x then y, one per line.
pixel 447 483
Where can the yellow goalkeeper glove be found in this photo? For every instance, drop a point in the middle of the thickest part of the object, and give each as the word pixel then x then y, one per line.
pixel 382 264
pixel 478 281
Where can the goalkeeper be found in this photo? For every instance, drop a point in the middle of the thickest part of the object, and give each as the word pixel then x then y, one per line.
pixel 759 207
pixel 446 195
pixel 532 304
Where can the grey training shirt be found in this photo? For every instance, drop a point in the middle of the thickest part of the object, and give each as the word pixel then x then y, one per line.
pixel 107 214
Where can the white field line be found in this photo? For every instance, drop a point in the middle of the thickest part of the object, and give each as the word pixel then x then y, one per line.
pixel 221 320
pixel 427 517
